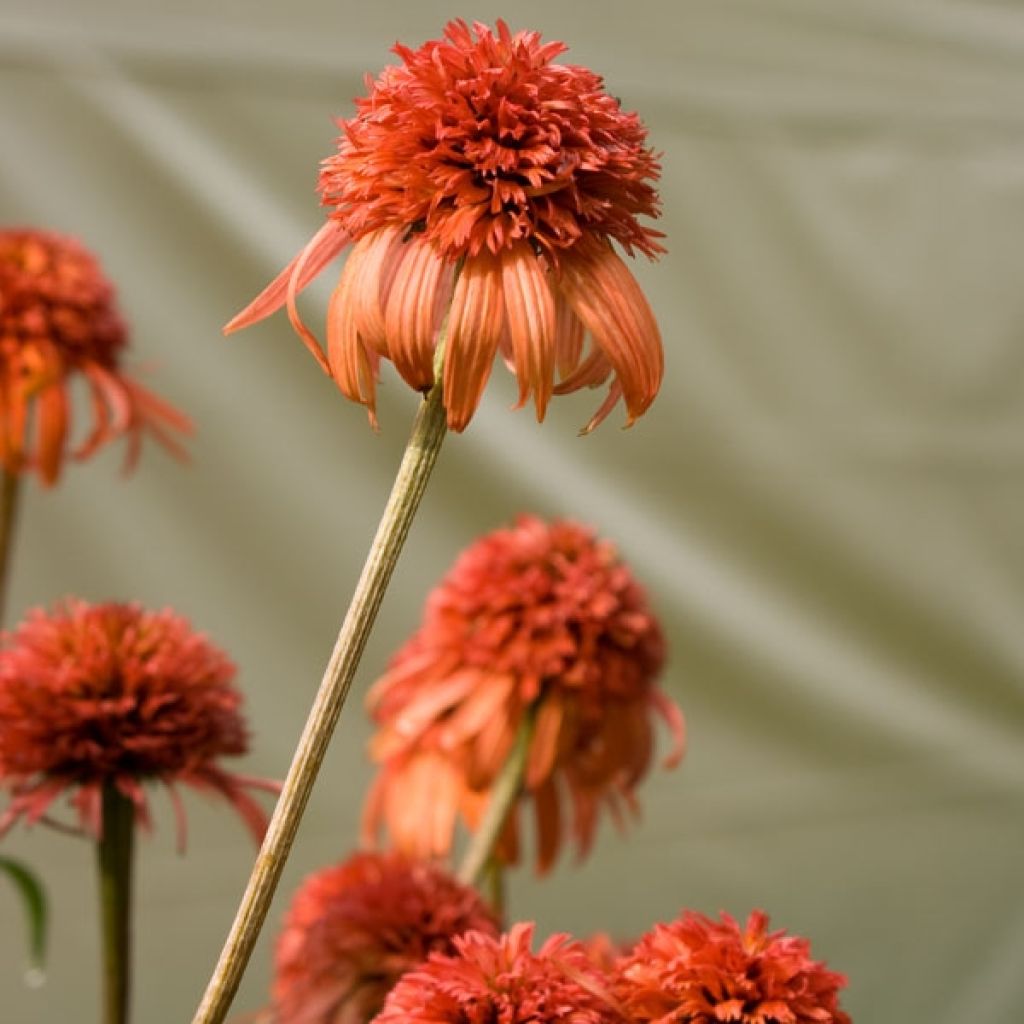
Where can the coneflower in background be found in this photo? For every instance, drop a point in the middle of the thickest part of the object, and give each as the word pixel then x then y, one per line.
pixel 355 928
pixel 540 621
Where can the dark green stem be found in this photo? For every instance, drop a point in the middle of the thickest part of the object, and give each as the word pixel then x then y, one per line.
pixel 116 853
pixel 9 487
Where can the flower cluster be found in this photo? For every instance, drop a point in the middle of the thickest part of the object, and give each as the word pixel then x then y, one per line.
pixel 540 619
pixel 482 185
pixel 111 693
pixel 354 929
pixel 58 321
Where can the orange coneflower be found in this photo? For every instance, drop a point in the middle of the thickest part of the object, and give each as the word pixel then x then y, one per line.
pixel 700 971
pixel 483 183
pixel 111 694
pixel 491 980
pixel 58 320
pixel 540 619
pixel 354 929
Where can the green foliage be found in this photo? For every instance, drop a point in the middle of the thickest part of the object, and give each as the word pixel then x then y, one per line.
pixel 34 899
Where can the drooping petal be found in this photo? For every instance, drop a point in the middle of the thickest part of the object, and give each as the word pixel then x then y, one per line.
pixel 419 294
pixel 590 373
pixel 531 322
pixel 370 258
pixel 351 364
pixel 605 296
pixel 315 255
pixel 568 338
pixel 52 429
pixel 474 329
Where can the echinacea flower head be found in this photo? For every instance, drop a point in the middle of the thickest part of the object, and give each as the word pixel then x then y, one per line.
pixel 59 322
pixel 482 186
pixel 540 619
pixel 92 695
pixel 700 971
pixel 354 929
pixel 488 980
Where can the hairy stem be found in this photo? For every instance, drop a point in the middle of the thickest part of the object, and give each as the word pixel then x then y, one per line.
pixel 115 861
pixel 506 791
pixel 417 462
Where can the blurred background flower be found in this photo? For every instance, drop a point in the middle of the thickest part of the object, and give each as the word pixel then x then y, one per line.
pixel 59 322
pixel 114 695
pixel 354 929
pixel 536 619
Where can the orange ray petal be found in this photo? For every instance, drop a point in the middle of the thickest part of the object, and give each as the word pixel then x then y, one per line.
pixel 474 329
pixel 568 338
pixel 419 294
pixel 605 296
pixel 315 255
pixel 351 365
pixel 52 428
pixel 369 259
pixel 530 318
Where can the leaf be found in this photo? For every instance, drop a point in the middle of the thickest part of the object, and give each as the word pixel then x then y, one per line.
pixel 34 898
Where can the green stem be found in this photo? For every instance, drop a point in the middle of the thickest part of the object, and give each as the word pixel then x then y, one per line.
pixel 494 885
pixel 9 488
pixel 506 791
pixel 417 462
pixel 115 856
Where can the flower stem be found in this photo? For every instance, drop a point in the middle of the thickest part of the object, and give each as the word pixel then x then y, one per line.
pixel 506 791
pixel 417 462
pixel 115 856
pixel 494 885
pixel 9 488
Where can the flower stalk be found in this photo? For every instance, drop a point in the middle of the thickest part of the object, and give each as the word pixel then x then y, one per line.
pixel 507 788
pixel 9 491
pixel 414 471
pixel 115 855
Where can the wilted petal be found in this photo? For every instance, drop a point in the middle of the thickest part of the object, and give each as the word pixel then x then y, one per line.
pixel 418 298
pixel 474 329
pixel 352 365
pixel 605 296
pixel 530 320
pixel 327 243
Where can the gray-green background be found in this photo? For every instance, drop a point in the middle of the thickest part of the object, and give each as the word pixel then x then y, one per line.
pixel 825 501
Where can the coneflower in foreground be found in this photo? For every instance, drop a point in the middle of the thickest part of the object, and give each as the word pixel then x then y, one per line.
pixel 482 185
pixel 700 971
pixel 112 695
pixel 58 322
pixel 488 980
pixel 539 619
pixel 354 929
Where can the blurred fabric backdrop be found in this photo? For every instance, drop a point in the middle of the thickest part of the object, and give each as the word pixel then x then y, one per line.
pixel 825 501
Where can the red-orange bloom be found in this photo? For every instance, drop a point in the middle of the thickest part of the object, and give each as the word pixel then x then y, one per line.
pixel 539 618
pixel 354 929
pixel 483 184
pixel 111 693
pixel 699 971
pixel 500 980
pixel 58 320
